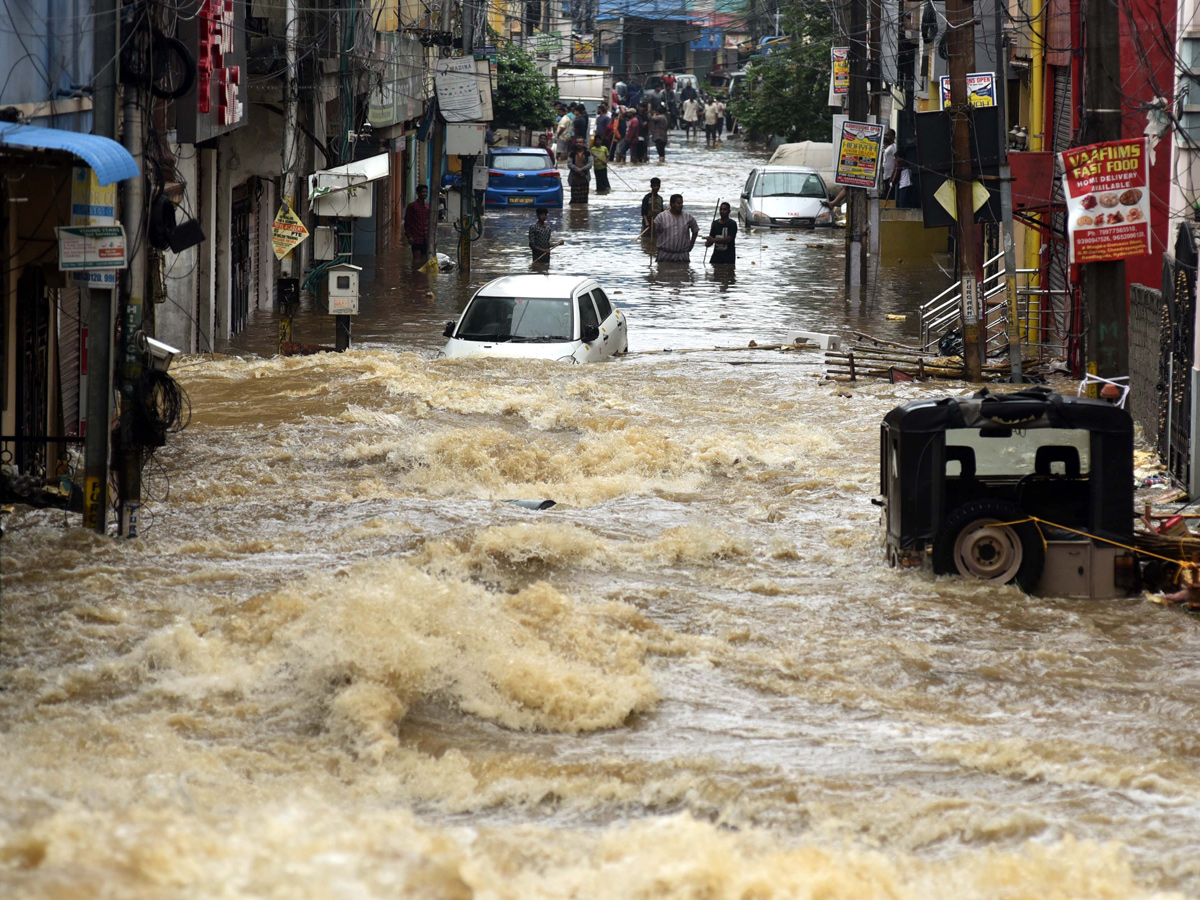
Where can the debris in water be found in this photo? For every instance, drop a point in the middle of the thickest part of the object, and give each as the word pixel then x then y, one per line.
pixel 532 504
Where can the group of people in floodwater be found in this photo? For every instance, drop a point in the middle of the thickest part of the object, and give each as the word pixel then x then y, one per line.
pixel 623 133
pixel 670 230
pixel 620 133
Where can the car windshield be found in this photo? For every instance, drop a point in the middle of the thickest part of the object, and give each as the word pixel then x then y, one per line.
pixel 532 320
pixel 1017 453
pixel 790 184
pixel 520 162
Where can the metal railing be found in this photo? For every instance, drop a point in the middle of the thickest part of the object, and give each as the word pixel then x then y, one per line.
pixel 944 312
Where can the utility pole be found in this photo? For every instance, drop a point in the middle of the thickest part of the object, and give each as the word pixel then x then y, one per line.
pixel 466 164
pixel 1107 343
pixel 960 48
pixel 875 66
pixel 1013 325
pixel 106 45
pixel 435 152
pixel 289 287
pixel 856 244
pixel 129 472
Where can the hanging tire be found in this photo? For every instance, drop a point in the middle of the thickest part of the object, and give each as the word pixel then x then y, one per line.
pixel 977 541
pixel 175 70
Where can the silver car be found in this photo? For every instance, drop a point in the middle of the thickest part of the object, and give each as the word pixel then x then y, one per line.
pixel 787 197
pixel 568 318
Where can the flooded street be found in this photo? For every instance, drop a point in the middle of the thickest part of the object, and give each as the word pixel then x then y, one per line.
pixel 338 664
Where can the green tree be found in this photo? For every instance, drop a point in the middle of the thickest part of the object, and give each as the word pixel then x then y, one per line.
pixel 524 97
pixel 786 93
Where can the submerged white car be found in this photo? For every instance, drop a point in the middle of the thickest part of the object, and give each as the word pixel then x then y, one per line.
pixel 785 196
pixel 564 317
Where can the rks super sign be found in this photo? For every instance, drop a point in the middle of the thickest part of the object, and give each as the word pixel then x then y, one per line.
pixel 216 44
pixel 216 37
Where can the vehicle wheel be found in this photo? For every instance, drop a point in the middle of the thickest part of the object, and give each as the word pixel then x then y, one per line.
pixel 975 541
pixel 174 69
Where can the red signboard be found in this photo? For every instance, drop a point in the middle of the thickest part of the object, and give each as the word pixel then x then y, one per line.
pixel 215 33
pixel 1108 200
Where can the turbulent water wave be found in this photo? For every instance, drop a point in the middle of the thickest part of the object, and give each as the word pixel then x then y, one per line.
pixel 338 664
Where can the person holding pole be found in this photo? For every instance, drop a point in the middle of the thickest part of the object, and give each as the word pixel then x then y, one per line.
pixel 652 205
pixel 539 239
pixel 721 236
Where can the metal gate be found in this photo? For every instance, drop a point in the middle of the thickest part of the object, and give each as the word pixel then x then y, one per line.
pixel 33 337
pixel 1179 290
pixel 240 263
pixel 1057 259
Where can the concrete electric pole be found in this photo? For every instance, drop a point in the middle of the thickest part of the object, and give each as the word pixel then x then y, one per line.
pixel 858 110
pixel 960 48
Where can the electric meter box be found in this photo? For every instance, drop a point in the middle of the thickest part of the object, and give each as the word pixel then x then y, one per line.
pixel 453 205
pixel 465 139
pixel 480 175
pixel 324 242
pixel 339 290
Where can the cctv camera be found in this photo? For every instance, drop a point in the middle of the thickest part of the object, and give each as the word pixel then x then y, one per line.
pixel 158 356
pixel 367 127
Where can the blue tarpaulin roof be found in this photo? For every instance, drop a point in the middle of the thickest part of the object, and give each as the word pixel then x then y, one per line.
pixel 110 160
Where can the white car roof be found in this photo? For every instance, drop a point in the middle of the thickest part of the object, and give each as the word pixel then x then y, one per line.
pixel 807 170
pixel 534 285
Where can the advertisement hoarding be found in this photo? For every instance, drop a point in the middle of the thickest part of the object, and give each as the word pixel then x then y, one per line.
pixel 1108 200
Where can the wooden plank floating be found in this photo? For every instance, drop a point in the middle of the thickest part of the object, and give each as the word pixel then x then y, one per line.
pixel 897 363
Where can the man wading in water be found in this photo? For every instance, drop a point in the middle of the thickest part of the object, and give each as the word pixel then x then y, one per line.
pixel 416 224
pixel 652 205
pixel 539 239
pixel 675 232
pixel 723 234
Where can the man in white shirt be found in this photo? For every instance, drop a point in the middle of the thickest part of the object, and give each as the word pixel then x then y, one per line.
pixel 710 124
pixel 675 232
pixel 691 115
pixel 888 163
pixel 564 132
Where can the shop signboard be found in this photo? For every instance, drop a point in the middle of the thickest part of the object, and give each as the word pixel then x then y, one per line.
pixel 859 147
pixel 464 89
pixel 583 49
pixel 93 204
pixel 548 43
pixel 91 247
pixel 214 32
pixel 981 89
pixel 1108 200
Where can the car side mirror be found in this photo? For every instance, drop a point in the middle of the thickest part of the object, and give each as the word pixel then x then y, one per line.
pixel 745 195
pixel 589 333
pixel 449 330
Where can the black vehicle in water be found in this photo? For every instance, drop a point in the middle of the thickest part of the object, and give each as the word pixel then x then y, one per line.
pixel 1030 487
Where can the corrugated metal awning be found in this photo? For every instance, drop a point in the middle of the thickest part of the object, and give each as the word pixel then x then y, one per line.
pixel 110 160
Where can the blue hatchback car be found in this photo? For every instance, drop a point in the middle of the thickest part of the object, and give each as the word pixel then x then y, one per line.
pixel 523 176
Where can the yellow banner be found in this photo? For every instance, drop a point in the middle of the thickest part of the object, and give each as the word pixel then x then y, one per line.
pixel 287 231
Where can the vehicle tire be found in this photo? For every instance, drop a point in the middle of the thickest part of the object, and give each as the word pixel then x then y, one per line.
pixel 174 70
pixel 975 541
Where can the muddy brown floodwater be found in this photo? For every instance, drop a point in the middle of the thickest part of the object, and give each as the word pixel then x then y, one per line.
pixel 338 664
